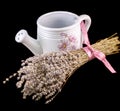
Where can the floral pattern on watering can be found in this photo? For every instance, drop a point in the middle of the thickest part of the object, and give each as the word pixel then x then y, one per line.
pixel 68 43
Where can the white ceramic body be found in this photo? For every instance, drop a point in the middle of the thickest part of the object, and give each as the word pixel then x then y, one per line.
pixel 60 30
pixel 56 31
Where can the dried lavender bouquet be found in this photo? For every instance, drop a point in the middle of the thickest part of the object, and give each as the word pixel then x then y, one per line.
pixel 45 75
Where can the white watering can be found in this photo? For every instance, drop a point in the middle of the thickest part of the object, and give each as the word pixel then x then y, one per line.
pixel 56 31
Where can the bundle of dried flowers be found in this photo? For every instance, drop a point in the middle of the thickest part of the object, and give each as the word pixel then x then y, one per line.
pixel 45 75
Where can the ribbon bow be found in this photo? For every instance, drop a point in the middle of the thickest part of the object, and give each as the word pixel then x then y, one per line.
pixel 92 53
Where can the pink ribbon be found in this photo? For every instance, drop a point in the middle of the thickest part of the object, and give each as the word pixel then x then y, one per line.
pixel 92 53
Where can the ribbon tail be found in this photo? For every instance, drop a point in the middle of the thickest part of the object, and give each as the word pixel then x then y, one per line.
pixel 92 53
pixel 108 65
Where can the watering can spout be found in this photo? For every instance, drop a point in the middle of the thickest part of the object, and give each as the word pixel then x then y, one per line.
pixel 32 44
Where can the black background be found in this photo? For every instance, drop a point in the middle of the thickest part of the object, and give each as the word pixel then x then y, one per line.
pixel 92 86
